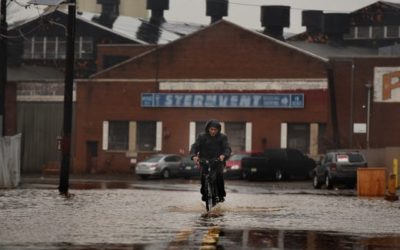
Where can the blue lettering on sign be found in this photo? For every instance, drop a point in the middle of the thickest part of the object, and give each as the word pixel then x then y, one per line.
pixel 205 100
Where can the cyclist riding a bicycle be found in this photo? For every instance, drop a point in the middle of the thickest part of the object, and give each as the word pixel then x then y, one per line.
pixel 212 144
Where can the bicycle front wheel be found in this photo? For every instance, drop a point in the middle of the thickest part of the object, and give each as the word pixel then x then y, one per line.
pixel 209 201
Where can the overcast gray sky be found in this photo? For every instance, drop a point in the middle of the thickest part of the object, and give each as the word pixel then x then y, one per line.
pixel 246 13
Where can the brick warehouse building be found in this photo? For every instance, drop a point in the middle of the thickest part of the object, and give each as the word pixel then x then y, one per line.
pixel 267 94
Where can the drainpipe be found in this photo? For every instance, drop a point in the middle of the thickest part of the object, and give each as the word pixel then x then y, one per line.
pixel 369 87
pixel 351 104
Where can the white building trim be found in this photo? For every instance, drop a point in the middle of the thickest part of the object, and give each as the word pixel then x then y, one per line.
pixel 283 135
pixel 249 128
pixel 105 135
pixel 244 85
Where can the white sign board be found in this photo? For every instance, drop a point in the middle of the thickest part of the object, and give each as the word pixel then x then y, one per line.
pixel 360 128
pixel 387 84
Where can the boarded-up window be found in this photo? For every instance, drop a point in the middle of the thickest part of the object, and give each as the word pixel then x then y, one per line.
pixel 298 136
pixel 236 132
pixel 146 135
pixel 118 135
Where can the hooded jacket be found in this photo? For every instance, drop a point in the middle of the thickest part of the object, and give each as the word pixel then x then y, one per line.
pixel 211 147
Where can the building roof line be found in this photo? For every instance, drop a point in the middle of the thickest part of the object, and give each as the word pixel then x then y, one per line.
pixel 201 30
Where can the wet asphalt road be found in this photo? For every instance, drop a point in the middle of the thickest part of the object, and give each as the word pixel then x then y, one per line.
pixel 168 214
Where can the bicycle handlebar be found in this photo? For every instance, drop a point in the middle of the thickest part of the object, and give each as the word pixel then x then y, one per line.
pixel 209 161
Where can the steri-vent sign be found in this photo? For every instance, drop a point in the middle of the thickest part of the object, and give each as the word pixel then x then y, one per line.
pixel 221 100
pixel 387 84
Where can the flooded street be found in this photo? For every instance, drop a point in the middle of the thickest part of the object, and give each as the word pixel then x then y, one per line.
pixel 171 216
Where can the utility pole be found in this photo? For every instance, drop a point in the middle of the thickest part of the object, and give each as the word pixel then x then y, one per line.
pixel 68 90
pixel 3 65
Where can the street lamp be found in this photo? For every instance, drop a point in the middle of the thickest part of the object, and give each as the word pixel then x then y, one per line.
pixel 68 91
pixel 369 88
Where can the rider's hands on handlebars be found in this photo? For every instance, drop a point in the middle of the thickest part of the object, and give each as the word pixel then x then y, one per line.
pixel 196 158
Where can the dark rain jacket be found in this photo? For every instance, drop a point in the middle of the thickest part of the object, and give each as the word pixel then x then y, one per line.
pixel 211 147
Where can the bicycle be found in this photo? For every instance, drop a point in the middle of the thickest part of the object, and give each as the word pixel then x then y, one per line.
pixel 210 185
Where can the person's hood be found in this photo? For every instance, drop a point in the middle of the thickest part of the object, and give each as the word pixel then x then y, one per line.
pixel 213 123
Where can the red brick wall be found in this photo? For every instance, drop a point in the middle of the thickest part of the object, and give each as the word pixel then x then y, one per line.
pixel 385 121
pixel 101 101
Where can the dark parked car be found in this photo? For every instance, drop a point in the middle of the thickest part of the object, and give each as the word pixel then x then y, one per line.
pixel 338 167
pixel 163 165
pixel 278 164
pixel 189 169
pixel 233 166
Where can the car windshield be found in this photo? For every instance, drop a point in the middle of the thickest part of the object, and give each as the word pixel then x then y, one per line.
pixel 154 158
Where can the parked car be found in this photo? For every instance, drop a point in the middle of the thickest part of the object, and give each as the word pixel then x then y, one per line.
pixel 278 164
pixel 189 169
pixel 338 167
pixel 233 166
pixel 162 165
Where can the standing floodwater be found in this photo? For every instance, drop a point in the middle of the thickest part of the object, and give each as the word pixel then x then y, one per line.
pixel 163 219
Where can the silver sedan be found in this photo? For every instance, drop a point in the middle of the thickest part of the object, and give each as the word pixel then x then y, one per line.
pixel 162 165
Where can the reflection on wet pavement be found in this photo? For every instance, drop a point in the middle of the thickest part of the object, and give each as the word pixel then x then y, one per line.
pixel 119 218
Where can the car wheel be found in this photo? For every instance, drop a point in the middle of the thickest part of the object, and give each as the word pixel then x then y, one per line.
pixel 316 183
pixel 328 182
pixel 278 175
pixel 165 174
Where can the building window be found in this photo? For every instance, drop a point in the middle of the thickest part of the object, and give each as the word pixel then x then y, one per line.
pixel 38 48
pixel 85 45
pixel 351 34
pixel 392 31
pixel 363 32
pixel 118 135
pixel 298 136
pixel 378 32
pixel 54 48
pixel 146 135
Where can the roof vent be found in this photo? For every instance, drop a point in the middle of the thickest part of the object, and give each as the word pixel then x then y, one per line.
pixel 157 8
pixel 313 20
pixel 336 25
pixel 216 9
pixel 274 18
pixel 109 12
